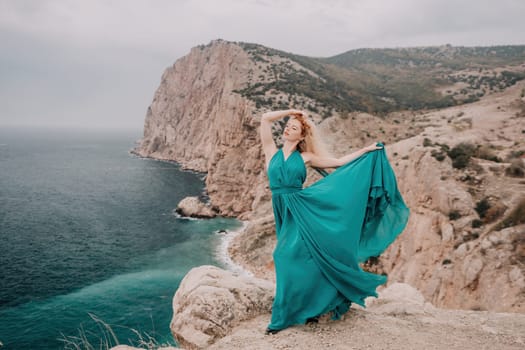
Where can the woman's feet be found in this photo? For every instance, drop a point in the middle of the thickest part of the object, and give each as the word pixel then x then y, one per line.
pixel 309 320
pixel 312 320
pixel 271 331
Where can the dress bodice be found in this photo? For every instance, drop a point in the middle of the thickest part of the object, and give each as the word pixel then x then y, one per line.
pixel 286 175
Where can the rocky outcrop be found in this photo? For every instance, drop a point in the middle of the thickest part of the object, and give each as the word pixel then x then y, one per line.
pixel 193 207
pixel 399 319
pixel 210 302
pixel 399 299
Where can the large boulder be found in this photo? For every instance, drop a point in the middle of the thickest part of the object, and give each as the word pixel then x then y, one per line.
pixel 193 207
pixel 210 302
pixel 399 299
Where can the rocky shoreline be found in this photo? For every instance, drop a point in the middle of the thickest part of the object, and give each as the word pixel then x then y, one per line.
pixel 225 255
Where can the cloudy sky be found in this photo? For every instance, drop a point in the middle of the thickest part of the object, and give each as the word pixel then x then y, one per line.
pixel 97 63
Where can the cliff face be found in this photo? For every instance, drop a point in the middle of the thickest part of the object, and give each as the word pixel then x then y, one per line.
pixel 456 257
pixel 197 120
pixel 455 248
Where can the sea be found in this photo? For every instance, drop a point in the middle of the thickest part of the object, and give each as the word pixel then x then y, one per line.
pixel 91 249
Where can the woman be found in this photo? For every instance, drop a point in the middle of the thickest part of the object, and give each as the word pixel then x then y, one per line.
pixel 325 230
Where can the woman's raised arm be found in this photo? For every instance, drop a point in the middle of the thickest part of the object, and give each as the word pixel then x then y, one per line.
pixel 269 147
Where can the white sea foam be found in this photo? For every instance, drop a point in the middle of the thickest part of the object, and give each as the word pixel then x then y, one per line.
pixel 222 250
pixel 181 217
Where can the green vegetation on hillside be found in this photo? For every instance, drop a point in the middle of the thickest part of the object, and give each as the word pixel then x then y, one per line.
pixel 384 80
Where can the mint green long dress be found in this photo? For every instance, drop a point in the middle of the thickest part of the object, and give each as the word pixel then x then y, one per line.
pixel 325 230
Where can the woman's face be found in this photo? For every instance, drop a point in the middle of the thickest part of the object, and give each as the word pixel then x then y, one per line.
pixel 293 130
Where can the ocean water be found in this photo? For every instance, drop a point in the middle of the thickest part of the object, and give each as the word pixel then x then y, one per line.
pixel 89 239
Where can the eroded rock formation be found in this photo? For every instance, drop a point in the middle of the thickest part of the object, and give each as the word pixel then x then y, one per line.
pixel 210 302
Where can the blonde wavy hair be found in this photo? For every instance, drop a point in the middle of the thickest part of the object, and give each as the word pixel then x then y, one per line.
pixel 312 141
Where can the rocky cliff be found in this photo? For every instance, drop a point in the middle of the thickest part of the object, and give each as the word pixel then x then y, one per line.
pixel 464 245
pixel 459 248
pixel 197 120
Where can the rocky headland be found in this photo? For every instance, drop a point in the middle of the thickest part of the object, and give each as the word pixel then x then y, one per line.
pixel 460 168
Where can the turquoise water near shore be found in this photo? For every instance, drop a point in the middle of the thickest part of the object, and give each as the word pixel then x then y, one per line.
pixel 88 231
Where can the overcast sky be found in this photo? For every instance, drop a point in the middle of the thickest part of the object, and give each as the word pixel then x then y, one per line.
pixel 97 63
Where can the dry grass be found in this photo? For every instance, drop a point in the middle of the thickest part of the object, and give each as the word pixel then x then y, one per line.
pixel 106 338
